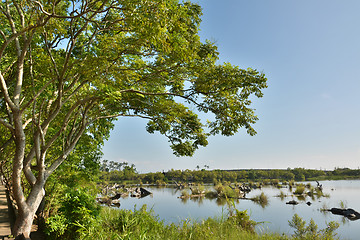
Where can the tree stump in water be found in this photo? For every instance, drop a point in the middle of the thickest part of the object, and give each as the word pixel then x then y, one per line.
pixel 351 214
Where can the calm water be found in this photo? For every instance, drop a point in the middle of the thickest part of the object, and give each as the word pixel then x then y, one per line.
pixel 275 215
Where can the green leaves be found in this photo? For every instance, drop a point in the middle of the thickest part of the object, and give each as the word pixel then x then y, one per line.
pixel 91 61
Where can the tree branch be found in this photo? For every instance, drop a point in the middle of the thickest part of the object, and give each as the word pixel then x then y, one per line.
pixel 5 92
pixel 7 125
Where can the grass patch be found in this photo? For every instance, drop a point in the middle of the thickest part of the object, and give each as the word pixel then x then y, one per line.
pixel 261 199
pixel 299 189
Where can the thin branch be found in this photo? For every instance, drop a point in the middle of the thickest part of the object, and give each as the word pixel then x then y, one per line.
pixel 66 121
pixel 20 73
pixel 13 29
pixel 20 12
pixel 67 151
pixel 27 122
pixel 6 144
pixel 21 32
pixel 37 95
pixel 5 92
pixel 7 125
pixel 3 35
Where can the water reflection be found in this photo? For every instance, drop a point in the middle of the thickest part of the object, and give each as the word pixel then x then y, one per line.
pixel 172 209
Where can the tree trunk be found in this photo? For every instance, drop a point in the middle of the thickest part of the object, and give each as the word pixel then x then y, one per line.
pixel 26 213
pixel 23 223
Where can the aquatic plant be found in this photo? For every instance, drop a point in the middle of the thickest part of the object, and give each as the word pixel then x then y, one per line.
pixel 299 189
pixel 261 199
pixel 343 204
pixel 197 190
pixel 282 195
pixel 184 194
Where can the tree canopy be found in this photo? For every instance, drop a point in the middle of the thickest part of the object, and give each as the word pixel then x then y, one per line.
pixel 68 68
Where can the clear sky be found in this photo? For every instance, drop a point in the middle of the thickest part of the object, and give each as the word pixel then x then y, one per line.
pixel 310 114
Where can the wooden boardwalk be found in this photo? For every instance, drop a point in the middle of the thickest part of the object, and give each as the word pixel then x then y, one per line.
pixel 5 229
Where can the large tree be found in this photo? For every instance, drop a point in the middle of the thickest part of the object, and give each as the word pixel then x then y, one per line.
pixel 68 67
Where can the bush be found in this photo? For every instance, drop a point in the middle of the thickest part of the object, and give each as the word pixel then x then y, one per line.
pixel 78 208
pixel 299 189
pixel 242 219
pixel 311 231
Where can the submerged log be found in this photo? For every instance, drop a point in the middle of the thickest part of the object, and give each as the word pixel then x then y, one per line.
pixel 179 185
pixel 117 196
pixel 351 214
pixel 293 202
pixel 140 193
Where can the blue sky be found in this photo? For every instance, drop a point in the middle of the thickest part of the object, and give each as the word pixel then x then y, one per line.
pixel 310 114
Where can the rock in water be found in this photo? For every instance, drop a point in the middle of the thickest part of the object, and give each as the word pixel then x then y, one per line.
pixel 293 202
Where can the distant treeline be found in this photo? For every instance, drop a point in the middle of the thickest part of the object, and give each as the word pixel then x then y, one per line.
pixel 124 172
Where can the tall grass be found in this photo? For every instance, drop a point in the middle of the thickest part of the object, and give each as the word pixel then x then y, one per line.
pixel 142 224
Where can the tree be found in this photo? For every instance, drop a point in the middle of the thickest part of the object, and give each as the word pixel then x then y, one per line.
pixel 68 68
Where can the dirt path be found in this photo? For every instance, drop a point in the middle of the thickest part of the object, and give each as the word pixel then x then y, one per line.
pixel 4 215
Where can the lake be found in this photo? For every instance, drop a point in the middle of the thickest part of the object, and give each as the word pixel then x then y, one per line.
pixel 275 216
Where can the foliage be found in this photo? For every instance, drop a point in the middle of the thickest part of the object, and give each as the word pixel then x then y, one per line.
pixel 69 68
pixel 299 189
pixel 261 199
pixel 311 231
pixel 185 194
pixel 197 190
pixel 271 176
pixel 142 224
pixel 78 209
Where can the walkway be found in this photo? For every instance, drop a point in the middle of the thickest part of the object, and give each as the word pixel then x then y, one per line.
pixel 4 215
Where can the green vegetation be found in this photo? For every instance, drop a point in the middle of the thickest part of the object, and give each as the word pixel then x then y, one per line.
pixel 300 189
pixel 311 231
pixel 68 69
pixel 282 195
pixel 142 224
pixel 271 176
pixel 197 190
pixel 261 199
pixel 78 209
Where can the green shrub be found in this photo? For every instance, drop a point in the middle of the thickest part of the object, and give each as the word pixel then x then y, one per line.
pixel 78 208
pixel 242 219
pixel 311 231
pixel 299 189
